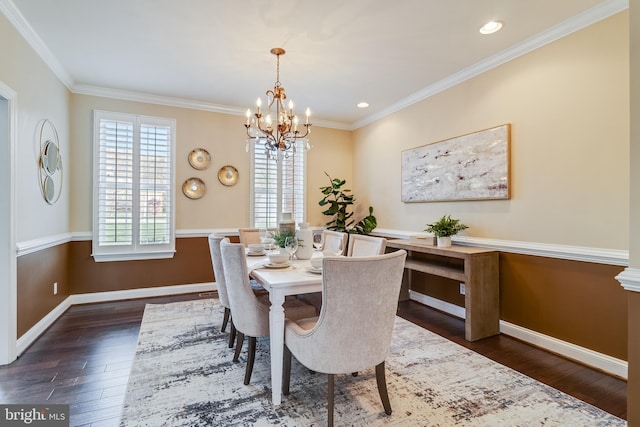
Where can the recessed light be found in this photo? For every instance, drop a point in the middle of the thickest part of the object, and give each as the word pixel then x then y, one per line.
pixel 491 27
pixel 363 104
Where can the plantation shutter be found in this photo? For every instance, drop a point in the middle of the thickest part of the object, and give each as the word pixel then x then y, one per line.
pixel 133 187
pixel 264 189
pixel 277 186
pixel 294 184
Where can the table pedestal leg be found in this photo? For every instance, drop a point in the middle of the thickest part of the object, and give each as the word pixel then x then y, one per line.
pixel 276 331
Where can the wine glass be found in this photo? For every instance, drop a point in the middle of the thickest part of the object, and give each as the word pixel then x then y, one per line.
pixel 291 246
pixel 317 241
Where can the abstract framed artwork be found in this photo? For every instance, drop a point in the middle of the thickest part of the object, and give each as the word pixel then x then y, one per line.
pixel 468 167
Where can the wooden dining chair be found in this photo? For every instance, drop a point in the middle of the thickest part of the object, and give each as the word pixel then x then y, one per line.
pixel 330 238
pixel 251 314
pixel 361 245
pixel 353 331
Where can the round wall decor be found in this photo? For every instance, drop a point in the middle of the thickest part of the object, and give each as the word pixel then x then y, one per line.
pixel 228 175
pixel 51 173
pixel 194 188
pixel 199 158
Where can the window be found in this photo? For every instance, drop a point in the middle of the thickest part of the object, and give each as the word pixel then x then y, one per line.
pixel 133 191
pixel 277 186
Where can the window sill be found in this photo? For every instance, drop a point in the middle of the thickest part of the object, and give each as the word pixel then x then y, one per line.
pixel 132 256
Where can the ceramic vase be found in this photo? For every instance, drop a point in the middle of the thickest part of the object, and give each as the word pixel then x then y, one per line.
pixel 287 224
pixel 305 242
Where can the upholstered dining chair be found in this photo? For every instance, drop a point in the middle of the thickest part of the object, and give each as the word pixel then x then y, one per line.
pixel 353 331
pixel 249 236
pixel 330 237
pixel 218 270
pixel 251 314
pixel 360 245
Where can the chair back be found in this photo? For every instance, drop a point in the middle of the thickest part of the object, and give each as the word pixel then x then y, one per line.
pixel 249 236
pixel 218 269
pixel 330 237
pixel 360 245
pixel 359 304
pixel 250 317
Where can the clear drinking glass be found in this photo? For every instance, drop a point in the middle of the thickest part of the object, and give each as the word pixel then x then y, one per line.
pixel 317 241
pixel 291 246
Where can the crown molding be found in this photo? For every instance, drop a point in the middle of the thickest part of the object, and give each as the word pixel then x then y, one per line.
pixel 33 39
pixel 589 17
pixel 582 20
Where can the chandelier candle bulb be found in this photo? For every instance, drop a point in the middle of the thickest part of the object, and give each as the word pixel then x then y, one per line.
pixel 259 104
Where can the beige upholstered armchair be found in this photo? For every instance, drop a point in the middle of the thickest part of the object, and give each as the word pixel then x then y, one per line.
pixel 353 331
pixel 360 245
pixel 218 270
pixel 330 238
pixel 251 314
pixel 249 236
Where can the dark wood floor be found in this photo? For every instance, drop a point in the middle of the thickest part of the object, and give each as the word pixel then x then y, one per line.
pixel 84 360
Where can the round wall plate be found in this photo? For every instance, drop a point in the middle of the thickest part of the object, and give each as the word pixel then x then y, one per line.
pixel 199 158
pixel 228 175
pixel 194 188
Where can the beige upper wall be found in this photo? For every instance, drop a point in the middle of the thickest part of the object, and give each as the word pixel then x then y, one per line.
pixel 40 95
pixel 568 104
pixel 224 137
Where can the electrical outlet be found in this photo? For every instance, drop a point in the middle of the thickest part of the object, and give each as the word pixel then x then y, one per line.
pixel 462 289
pixel 55 288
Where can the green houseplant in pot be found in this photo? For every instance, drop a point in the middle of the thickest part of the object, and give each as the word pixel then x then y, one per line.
pixel 337 202
pixel 444 228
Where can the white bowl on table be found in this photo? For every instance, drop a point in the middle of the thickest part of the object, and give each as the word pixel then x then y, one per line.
pixel 256 248
pixel 278 258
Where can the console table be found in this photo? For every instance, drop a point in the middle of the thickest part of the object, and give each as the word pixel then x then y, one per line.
pixel 476 267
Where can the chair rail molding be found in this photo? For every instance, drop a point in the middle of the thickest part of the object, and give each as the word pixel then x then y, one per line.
pixel 630 279
pixel 549 250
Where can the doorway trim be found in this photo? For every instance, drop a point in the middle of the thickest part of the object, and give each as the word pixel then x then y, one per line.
pixel 8 256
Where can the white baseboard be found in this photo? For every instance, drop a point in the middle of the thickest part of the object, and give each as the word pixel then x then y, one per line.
pixel 600 361
pixel 39 328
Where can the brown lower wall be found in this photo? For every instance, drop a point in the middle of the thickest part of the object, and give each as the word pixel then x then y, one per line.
pixel 578 302
pixel 72 266
pixel 573 301
pixel 36 274
pixel 190 264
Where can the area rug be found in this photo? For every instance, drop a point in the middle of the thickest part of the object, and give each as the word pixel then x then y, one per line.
pixel 183 375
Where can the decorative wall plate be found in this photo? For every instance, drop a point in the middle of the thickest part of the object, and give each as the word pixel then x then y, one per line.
pixel 194 188
pixel 228 175
pixel 199 158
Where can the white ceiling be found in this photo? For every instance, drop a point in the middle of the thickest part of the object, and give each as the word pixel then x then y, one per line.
pixel 214 54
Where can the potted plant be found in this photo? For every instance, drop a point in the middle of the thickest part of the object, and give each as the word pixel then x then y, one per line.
pixel 336 202
pixel 281 238
pixel 444 228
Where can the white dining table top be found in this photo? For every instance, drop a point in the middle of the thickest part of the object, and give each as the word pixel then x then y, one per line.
pixel 294 275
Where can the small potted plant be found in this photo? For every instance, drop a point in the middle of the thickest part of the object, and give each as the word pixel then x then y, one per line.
pixel 444 228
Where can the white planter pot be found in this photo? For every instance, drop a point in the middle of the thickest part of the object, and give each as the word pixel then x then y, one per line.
pixel 444 242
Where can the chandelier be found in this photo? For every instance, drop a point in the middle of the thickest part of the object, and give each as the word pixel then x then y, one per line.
pixel 280 133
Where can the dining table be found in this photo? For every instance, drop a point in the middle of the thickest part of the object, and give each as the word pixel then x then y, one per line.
pixel 293 279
